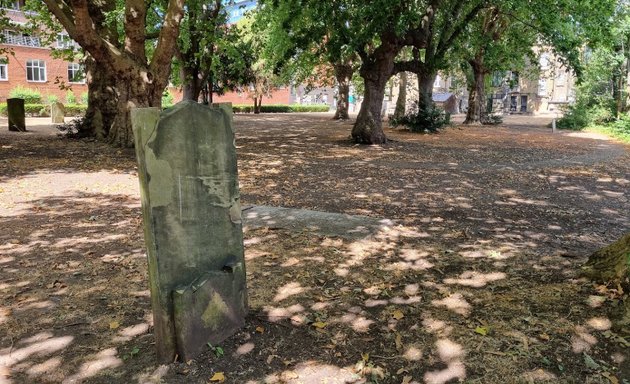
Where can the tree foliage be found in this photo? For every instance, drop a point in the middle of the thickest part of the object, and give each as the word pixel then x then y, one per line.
pixel 211 56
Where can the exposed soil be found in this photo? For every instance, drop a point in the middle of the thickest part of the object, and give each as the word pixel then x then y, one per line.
pixel 477 281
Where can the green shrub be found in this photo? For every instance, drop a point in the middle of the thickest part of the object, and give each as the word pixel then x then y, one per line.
pixel 75 109
pixel 575 118
pixel 492 119
pixel 601 114
pixel 30 96
pixel 52 99
pixel 43 110
pixel 167 99
pixel 70 98
pixel 621 128
pixel 241 108
pixel 423 121
pixel 37 110
pixel 84 98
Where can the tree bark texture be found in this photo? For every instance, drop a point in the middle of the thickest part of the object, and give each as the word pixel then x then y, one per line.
pixel 102 102
pixel 401 101
pixel 426 79
pixel 194 70
pixel 611 264
pixel 376 69
pixel 476 92
pixel 140 80
pixel 343 75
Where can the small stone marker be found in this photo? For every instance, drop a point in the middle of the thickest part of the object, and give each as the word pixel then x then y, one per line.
pixel 57 113
pixel 192 225
pixel 16 115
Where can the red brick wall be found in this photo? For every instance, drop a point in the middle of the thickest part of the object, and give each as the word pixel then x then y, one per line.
pixel 54 68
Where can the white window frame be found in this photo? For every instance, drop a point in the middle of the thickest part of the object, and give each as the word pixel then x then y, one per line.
pixel 64 41
pixel 76 68
pixel 38 65
pixel 4 70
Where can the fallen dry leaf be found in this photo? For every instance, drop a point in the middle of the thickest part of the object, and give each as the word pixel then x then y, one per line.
pixel 406 380
pixel 218 377
pixel 397 314
pixel 114 324
pixel 399 344
pixel 610 377
pixel 319 324
pixel 481 330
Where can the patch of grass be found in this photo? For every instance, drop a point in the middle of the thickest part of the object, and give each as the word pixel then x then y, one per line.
pixel 617 130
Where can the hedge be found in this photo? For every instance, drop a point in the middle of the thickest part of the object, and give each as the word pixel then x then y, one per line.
pixel 43 110
pixel 281 108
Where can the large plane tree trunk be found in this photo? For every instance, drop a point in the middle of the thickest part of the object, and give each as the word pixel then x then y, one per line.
pixel 401 101
pixel 476 92
pixel 376 69
pixel 426 79
pixel 140 79
pixel 343 75
pixel 611 264
pixel 102 102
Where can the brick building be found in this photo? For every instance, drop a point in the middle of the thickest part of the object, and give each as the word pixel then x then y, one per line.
pixel 30 63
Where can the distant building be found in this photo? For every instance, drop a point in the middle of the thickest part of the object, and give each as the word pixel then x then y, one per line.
pixel 238 10
pixel 446 101
pixel 549 88
pixel 31 64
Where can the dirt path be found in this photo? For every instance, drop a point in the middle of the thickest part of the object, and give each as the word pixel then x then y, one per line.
pixel 477 282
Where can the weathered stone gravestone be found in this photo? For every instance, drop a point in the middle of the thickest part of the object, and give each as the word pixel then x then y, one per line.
pixel 16 115
pixel 193 229
pixel 57 113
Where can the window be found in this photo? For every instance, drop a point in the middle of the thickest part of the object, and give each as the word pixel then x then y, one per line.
pixel 16 38
pixel 4 71
pixel 11 4
pixel 437 82
pixel 64 41
pixel 544 61
pixel 36 70
pixel 76 73
pixel 542 87
pixel 497 78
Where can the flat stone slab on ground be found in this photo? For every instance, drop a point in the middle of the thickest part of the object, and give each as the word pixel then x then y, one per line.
pixel 323 223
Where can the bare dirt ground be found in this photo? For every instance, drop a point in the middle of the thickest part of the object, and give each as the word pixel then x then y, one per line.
pixel 476 282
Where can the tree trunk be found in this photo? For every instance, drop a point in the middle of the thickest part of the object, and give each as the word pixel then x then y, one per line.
pixel 426 79
pixel 102 106
pixel 140 80
pixel 192 85
pixel 476 93
pixel 368 128
pixel 343 74
pixel 401 102
pixel 376 70
pixel 133 93
pixel 257 103
pixel 611 264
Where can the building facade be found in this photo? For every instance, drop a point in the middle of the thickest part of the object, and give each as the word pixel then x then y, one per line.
pixel 29 62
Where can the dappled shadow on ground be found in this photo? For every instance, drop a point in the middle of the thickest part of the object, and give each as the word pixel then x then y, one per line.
pixel 73 281
pixel 475 278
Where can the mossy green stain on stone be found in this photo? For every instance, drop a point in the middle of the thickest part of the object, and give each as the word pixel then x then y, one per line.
pixel 215 312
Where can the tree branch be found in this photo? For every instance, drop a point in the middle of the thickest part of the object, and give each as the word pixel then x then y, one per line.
pixel 167 41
